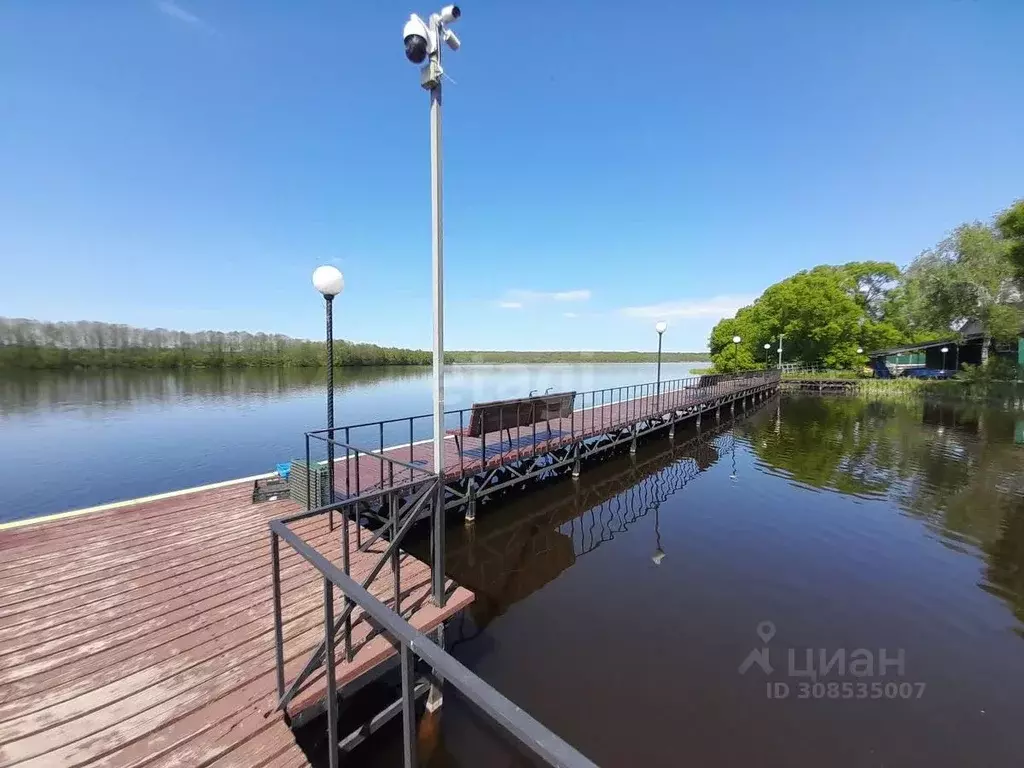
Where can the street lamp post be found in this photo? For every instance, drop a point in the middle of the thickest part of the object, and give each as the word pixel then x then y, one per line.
pixel 422 41
pixel 766 348
pixel 660 327
pixel 736 351
pixel 944 351
pixel 780 351
pixel 329 282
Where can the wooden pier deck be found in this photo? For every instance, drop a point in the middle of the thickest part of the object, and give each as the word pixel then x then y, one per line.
pixel 143 635
pixel 472 455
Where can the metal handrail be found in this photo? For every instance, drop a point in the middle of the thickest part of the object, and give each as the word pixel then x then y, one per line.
pixel 636 401
pixel 400 526
pixel 411 643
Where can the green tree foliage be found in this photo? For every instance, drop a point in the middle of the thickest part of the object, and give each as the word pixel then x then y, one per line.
pixel 824 314
pixel 971 280
pixel 1011 226
pixel 967 277
pixel 39 345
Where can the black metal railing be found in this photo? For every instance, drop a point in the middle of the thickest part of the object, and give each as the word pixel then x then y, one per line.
pixel 410 645
pixel 593 412
pixel 382 472
pixel 403 506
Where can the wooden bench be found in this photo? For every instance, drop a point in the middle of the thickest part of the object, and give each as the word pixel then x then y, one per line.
pixel 705 380
pixel 502 415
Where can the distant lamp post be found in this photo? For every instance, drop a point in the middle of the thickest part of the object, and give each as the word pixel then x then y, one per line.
pixel 660 327
pixel 659 553
pixel 766 348
pixel 329 282
pixel 736 351
pixel 944 350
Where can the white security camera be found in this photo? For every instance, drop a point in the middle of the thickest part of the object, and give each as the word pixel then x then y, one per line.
pixel 449 14
pixel 451 39
pixel 419 39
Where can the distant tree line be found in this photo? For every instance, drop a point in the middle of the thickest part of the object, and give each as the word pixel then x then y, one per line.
pixel 32 344
pixel 973 279
pixel 84 344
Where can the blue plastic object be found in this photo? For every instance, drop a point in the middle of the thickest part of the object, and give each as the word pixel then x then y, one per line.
pixel 283 470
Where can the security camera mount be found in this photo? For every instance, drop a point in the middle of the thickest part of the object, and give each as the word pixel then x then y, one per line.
pixel 430 74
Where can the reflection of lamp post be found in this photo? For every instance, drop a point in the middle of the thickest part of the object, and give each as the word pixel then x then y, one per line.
pixel 329 281
pixel 733 475
pixel 766 348
pixel 944 351
pixel 660 327
pixel 659 553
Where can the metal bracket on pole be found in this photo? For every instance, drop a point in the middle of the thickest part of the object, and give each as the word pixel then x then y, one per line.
pixel 430 75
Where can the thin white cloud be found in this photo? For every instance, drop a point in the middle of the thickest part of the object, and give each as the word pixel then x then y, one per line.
pixel 715 307
pixel 570 315
pixel 582 294
pixel 510 304
pixel 175 11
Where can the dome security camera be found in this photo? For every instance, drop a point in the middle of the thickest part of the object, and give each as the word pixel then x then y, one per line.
pixel 419 40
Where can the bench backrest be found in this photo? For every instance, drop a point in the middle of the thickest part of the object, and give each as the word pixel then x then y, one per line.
pixel 507 414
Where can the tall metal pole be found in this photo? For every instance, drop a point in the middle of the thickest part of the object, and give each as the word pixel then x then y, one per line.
pixel 659 369
pixel 780 351
pixel 437 236
pixel 435 696
pixel 330 400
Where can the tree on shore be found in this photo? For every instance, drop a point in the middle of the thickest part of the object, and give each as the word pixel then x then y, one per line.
pixel 974 276
pixel 967 278
pixel 825 314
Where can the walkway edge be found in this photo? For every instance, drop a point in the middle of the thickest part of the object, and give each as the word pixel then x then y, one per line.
pixel 131 502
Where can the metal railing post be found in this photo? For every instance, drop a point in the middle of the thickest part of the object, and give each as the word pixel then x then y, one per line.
pixel 275 564
pixel 395 565
pixel 332 683
pixel 408 706
pixel 309 492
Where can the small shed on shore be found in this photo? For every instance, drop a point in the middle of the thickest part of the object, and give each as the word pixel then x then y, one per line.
pixel 963 349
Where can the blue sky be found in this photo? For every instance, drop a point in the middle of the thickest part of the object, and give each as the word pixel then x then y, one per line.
pixel 187 163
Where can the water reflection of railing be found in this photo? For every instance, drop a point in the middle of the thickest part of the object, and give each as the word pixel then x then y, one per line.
pixel 600 524
pixel 505 562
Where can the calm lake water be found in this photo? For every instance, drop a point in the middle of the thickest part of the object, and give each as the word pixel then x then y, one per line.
pixel 71 440
pixel 618 611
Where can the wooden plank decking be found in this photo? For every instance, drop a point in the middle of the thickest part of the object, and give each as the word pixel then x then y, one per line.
pixel 143 636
